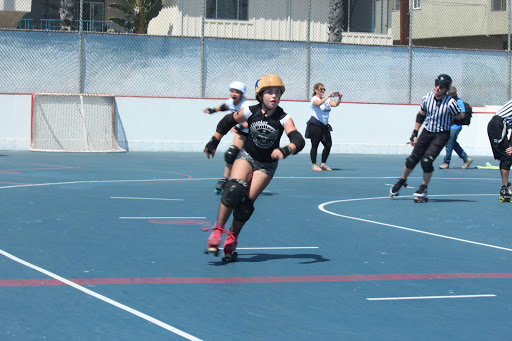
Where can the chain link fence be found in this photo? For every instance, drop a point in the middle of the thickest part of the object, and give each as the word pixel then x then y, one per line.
pixel 377 51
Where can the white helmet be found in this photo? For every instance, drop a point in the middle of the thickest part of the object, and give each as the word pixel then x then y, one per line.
pixel 236 85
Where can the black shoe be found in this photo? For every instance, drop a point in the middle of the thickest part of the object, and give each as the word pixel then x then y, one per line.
pixel 421 192
pixel 399 184
pixel 506 191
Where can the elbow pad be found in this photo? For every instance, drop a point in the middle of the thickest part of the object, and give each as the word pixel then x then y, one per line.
pixel 297 139
pixel 226 124
pixel 420 118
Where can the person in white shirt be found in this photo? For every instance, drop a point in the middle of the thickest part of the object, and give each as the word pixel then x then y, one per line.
pixel 318 128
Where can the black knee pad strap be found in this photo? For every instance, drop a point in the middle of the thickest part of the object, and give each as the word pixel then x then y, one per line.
pixel 234 193
pixel 243 212
pixel 231 154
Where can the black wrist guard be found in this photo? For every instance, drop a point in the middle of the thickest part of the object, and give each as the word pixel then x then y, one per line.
pixel 211 110
pixel 211 145
pixel 414 134
pixel 286 150
pixel 420 118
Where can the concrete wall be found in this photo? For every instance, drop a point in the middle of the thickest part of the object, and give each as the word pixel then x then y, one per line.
pixel 178 124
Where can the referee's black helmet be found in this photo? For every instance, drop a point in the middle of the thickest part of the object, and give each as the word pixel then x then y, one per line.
pixel 444 80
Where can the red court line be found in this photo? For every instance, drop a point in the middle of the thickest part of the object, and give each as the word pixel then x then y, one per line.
pixel 262 279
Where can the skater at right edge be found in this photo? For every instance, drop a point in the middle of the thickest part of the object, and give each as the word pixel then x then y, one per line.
pixel 501 145
pixel 256 163
pixel 437 111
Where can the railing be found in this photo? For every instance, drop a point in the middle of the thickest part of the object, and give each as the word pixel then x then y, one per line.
pixel 54 25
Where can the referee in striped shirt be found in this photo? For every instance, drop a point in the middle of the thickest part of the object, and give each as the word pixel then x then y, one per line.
pixel 497 129
pixel 437 111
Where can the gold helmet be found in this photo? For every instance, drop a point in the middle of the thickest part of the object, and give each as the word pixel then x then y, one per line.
pixel 268 81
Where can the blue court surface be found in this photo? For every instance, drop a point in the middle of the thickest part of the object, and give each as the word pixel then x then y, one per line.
pixel 110 247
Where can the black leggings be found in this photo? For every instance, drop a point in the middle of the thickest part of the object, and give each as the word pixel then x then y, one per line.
pixel 315 134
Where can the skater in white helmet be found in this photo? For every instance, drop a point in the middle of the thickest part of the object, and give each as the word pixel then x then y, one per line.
pixel 235 102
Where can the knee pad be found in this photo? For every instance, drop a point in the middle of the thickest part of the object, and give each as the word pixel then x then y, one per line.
pixel 243 212
pixel 234 193
pixel 231 154
pixel 505 164
pixel 410 162
pixel 427 164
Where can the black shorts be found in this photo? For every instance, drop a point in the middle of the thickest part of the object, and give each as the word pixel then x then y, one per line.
pixel 430 144
pixel 497 132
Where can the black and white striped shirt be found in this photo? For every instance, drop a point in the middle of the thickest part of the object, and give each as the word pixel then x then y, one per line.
pixel 506 113
pixel 440 112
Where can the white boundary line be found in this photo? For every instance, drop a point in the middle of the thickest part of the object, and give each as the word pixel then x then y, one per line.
pixel 162 217
pixel 278 248
pixel 201 179
pixel 135 198
pixel 103 298
pixel 427 297
pixel 322 208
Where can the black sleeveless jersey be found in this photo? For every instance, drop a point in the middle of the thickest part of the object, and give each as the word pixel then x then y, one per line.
pixel 264 132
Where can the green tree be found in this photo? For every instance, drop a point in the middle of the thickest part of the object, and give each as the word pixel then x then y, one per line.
pixel 136 14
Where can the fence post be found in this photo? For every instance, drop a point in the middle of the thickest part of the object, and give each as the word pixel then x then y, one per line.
pixel 308 50
pixel 409 81
pixel 80 38
pixel 508 50
pixel 202 49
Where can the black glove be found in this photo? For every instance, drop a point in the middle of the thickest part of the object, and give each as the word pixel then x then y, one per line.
pixel 211 145
pixel 413 135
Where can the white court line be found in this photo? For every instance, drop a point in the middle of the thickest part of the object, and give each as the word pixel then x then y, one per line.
pixel 322 208
pixel 103 298
pixel 427 297
pixel 135 198
pixel 202 179
pixel 162 217
pixel 278 248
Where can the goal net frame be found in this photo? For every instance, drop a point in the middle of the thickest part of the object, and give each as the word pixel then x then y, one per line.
pixel 73 122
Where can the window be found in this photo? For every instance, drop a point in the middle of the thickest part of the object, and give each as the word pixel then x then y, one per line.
pixel 416 5
pixel 227 9
pixel 93 15
pixel 498 5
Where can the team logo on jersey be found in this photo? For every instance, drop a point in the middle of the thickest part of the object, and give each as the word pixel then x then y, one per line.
pixel 263 134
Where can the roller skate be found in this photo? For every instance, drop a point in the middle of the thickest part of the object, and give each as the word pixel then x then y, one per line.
pixel 421 194
pixel 219 187
pixel 214 239
pixel 230 255
pixel 393 191
pixel 505 193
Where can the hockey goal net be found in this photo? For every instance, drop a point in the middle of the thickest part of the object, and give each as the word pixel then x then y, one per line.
pixel 73 123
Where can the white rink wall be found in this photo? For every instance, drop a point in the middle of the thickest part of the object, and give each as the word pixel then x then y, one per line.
pixel 179 124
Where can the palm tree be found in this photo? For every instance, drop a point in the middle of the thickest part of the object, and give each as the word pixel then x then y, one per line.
pixel 336 18
pixel 66 10
pixel 136 14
